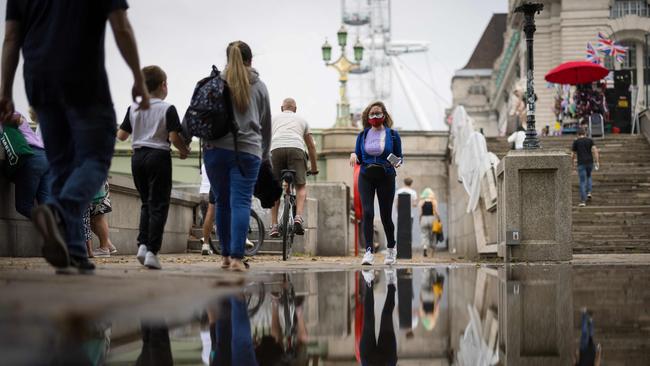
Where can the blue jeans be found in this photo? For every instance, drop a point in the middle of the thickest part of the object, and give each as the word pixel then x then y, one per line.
pixel 32 181
pixel 233 193
pixel 584 172
pixel 234 339
pixel 79 142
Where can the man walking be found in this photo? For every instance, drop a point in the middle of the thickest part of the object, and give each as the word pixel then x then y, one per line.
pixel 585 151
pixel 66 83
pixel 291 135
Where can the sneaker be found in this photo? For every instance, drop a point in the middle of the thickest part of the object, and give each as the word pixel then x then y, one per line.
pixel 55 250
pixel 249 244
pixel 424 253
pixel 391 277
pixel 368 258
pixel 205 248
pixel 102 252
pixel 142 253
pixel 77 265
pixel 589 196
pixel 391 255
pixel 582 204
pixel 113 249
pixel 297 225
pixel 368 276
pixel 151 261
pixel 275 231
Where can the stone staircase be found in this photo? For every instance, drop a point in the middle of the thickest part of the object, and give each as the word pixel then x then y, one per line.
pixel 617 220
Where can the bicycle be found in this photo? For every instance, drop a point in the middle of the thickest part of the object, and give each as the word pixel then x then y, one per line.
pixel 288 212
pixel 254 238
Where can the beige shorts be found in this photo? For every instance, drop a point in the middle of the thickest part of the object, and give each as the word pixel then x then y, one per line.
pixel 292 159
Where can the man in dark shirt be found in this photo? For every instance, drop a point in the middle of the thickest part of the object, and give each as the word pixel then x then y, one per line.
pixel 66 83
pixel 585 151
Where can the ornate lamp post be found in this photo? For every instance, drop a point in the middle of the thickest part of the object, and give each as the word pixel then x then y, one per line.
pixel 529 10
pixel 344 66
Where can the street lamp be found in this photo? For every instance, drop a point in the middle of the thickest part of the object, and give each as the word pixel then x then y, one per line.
pixel 343 65
pixel 529 10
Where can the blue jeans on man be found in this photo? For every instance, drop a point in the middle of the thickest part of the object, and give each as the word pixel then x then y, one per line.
pixel 32 181
pixel 234 192
pixel 584 173
pixel 79 142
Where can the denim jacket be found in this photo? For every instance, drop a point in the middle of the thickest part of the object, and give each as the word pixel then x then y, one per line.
pixel 393 145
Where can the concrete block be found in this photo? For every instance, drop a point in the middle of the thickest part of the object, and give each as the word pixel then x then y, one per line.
pixel 534 315
pixel 306 243
pixel 333 218
pixel 310 216
pixel 534 198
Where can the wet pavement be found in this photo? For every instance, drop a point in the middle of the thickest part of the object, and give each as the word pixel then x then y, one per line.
pixel 316 312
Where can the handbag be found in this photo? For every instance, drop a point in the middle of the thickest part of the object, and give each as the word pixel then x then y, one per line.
pixel 437 227
pixel 267 188
pixel 15 146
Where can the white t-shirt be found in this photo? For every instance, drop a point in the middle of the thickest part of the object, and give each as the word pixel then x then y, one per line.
pixel 289 130
pixel 414 197
pixel 205 182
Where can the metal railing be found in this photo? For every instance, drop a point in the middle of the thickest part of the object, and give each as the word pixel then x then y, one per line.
pixel 630 7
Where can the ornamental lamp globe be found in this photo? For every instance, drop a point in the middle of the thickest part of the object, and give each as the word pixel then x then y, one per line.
pixel 342 36
pixel 358 51
pixel 327 51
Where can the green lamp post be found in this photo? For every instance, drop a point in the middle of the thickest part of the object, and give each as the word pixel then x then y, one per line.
pixel 343 65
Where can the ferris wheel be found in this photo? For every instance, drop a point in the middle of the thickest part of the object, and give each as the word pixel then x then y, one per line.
pixel 370 20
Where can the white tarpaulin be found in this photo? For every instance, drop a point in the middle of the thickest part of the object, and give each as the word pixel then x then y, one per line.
pixel 470 154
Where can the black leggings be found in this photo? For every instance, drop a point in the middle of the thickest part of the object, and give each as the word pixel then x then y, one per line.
pixel 383 351
pixel 385 188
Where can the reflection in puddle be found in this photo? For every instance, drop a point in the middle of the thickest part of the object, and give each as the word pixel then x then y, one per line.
pixel 520 315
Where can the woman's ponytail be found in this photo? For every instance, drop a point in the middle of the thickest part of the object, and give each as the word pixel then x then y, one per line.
pixel 237 77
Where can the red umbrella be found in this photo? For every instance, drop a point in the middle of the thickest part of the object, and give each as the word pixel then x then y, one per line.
pixel 576 72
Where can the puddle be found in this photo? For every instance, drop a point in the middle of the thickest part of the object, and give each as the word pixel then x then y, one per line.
pixel 465 315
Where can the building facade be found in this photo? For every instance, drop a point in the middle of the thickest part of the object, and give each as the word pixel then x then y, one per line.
pixel 564 28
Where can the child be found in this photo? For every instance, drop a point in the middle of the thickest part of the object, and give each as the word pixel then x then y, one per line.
pixel 151 163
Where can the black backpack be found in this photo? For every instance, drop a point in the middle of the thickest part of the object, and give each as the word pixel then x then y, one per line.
pixel 210 114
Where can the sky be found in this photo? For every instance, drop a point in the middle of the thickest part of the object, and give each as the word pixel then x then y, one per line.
pixel 186 37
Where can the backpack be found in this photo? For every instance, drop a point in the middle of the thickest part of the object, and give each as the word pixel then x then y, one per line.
pixel 210 114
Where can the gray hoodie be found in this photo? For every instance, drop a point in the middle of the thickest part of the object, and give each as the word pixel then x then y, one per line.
pixel 254 124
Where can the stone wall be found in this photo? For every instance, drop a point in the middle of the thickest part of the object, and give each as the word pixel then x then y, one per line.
pixel 18 237
pixel 461 232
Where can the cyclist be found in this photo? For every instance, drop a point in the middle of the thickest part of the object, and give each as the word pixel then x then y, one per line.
pixel 290 142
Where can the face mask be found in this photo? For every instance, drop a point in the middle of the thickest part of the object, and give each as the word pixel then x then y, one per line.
pixel 376 121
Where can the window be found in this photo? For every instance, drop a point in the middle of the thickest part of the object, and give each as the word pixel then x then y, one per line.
pixel 477 89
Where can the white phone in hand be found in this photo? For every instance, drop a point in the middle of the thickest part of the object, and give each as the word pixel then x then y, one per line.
pixel 394 160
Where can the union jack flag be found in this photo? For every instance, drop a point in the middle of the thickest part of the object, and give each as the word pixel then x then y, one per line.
pixel 611 48
pixel 592 55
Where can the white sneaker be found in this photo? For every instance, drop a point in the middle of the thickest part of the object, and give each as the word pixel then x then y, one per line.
pixel 368 276
pixel 249 244
pixel 368 258
pixel 205 249
pixel 391 278
pixel 391 255
pixel 151 261
pixel 142 253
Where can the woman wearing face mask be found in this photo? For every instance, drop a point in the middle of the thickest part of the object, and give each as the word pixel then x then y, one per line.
pixel 375 144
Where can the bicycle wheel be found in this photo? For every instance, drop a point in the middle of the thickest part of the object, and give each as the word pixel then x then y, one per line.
pixel 287 229
pixel 255 234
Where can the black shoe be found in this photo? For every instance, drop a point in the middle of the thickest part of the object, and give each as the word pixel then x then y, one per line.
pixel 425 253
pixel 47 222
pixel 80 265
pixel 297 227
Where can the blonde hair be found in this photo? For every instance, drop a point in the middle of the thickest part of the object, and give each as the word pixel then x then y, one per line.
pixel 239 60
pixel 428 193
pixel 388 122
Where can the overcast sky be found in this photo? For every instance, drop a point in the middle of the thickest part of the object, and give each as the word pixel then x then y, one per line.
pixel 186 37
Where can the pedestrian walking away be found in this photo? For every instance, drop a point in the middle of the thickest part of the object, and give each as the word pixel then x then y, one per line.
pixel 428 216
pixel 62 44
pixel 208 200
pixel 291 146
pixel 584 155
pixel 379 152
pixel 233 169
pixel 151 164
